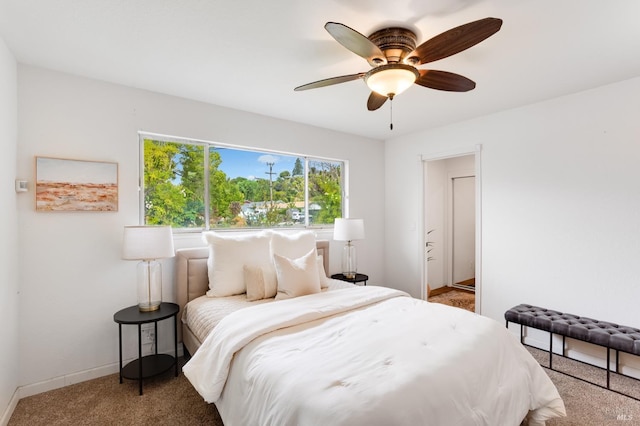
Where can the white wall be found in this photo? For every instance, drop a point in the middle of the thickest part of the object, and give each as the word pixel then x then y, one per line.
pixel 8 231
pixel 72 277
pixel 560 203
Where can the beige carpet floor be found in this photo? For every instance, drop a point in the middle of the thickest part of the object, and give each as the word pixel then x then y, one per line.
pixel 458 298
pixel 589 405
pixel 168 400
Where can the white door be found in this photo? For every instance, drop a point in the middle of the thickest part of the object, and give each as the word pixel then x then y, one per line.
pixel 463 229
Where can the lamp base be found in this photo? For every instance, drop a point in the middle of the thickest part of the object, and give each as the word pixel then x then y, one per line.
pixel 149 286
pixel 145 307
pixel 349 263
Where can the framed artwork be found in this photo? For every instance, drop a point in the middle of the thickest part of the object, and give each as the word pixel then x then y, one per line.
pixel 76 185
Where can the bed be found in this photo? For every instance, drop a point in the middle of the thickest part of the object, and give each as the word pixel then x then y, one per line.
pixel 347 355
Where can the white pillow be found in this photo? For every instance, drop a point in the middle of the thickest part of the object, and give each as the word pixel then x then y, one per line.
pixel 261 282
pixel 227 256
pixel 297 277
pixel 292 245
pixel 324 280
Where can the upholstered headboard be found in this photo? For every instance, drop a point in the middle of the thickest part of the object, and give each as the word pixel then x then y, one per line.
pixel 192 279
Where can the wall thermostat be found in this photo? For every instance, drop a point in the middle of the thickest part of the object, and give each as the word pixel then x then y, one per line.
pixel 21 185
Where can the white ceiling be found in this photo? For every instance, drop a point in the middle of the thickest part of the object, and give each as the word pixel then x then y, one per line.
pixel 250 54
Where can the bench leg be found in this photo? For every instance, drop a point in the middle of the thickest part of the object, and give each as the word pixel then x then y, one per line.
pixel 550 351
pixel 521 331
pixel 608 369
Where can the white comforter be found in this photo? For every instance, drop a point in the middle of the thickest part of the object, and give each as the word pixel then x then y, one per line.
pixel 368 356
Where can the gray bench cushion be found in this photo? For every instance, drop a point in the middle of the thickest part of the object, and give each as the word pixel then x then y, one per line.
pixel 614 336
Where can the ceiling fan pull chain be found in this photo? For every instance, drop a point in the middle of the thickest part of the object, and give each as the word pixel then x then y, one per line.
pixel 390 113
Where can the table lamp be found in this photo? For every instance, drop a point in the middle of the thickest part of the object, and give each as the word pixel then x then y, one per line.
pixel 147 244
pixel 348 230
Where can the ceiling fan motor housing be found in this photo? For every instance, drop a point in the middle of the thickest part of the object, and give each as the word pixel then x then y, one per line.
pixel 395 42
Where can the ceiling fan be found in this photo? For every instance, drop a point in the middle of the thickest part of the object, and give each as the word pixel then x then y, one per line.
pixel 393 54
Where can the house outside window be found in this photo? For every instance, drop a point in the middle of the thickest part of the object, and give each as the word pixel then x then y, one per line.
pixel 195 185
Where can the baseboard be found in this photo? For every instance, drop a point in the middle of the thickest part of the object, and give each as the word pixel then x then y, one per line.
pixel 66 380
pixel 4 421
pixel 580 351
pixel 77 377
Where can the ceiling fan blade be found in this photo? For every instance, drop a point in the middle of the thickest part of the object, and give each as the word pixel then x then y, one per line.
pixel 329 81
pixel 375 101
pixel 456 40
pixel 356 42
pixel 444 80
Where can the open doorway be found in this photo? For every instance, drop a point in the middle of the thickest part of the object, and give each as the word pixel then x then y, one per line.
pixel 450 212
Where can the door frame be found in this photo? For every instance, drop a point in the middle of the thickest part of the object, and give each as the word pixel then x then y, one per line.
pixel 476 151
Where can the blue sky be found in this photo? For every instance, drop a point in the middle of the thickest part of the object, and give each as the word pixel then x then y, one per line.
pixel 249 164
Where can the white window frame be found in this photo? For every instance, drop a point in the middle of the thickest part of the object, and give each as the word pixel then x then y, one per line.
pixel 142 135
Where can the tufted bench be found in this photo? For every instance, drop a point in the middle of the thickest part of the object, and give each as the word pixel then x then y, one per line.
pixel 609 335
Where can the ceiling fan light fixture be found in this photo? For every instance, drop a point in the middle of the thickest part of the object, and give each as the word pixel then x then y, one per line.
pixel 391 79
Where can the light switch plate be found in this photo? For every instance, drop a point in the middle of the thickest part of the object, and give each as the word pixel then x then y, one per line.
pixel 21 185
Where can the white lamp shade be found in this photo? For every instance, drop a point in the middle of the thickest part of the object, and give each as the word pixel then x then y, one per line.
pixel 348 229
pixel 147 242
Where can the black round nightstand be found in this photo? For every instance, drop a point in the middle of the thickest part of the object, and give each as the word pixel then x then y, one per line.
pixel 150 365
pixel 357 279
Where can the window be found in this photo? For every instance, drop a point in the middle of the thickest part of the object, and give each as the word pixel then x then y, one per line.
pixel 198 185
